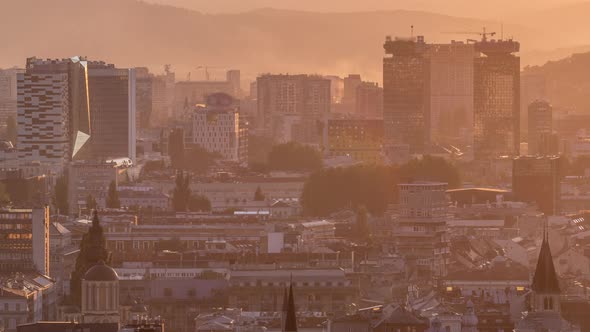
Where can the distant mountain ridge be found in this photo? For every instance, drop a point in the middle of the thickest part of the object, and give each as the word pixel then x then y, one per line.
pixel 129 32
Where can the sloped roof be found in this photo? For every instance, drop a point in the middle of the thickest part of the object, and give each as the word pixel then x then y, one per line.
pixel 545 280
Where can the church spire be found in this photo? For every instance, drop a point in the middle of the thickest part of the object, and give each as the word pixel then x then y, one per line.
pixel 290 324
pixel 545 280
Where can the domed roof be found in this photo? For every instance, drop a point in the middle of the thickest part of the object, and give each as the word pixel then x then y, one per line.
pixel 101 272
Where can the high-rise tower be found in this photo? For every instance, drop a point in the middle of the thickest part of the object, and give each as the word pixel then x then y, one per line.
pixel 406 105
pixel 53 112
pixel 496 99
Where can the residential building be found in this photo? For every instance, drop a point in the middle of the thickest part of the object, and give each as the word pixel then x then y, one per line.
pixel 8 93
pixel 540 126
pixel 369 100
pixel 351 83
pixel 24 244
pixel 532 87
pixel 358 138
pixel 62 257
pixel 537 179
pixel 496 80
pixel 162 97
pixel 25 298
pixel 420 228
pixel 189 93
pixel 319 290
pixel 144 82
pixel 87 178
pixel 305 99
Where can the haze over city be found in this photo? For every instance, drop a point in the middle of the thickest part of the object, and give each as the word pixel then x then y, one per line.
pixel 294 165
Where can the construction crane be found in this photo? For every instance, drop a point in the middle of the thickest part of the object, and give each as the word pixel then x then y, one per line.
pixel 484 35
pixel 206 68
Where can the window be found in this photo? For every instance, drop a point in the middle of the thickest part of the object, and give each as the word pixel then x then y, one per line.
pixel 167 292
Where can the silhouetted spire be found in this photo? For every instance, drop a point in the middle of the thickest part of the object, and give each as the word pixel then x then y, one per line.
pixel 545 280
pixel 284 307
pixel 290 316
pixel 95 221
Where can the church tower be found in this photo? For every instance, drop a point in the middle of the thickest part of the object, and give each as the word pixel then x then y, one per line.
pixel 545 314
pixel 545 284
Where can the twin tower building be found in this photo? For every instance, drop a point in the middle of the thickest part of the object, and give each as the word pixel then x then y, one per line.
pixel 458 94
pixel 70 109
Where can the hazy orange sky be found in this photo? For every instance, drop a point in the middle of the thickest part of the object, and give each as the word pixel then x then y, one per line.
pixel 473 8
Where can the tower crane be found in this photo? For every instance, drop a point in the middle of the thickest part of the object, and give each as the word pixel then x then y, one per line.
pixel 484 34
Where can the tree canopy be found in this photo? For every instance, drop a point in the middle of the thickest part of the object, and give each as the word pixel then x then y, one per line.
pixel 371 186
pixel 182 192
pixel 293 156
pixel 113 201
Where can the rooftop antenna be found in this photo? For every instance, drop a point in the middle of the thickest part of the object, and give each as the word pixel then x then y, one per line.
pixel 412 31
pixel 502 31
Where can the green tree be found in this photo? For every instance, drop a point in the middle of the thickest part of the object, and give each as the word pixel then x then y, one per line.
pixel 176 148
pixel 4 196
pixel 113 201
pixel 11 129
pixel 90 202
pixel 362 223
pixel 259 195
pixel 372 186
pixel 429 168
pixel 293 156
pixel 259 148
pixel 182 192
pixel 60 195
pixel 199 160
pixel 199 203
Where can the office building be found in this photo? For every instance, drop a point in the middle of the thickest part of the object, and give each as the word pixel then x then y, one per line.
pixel 112 94
pixel 162 97
pixel 540 126
pixel 87 178
pixel 421 227
pixel 234 78
pixel 189 93
pixel 24 240
pixel 53 113
pixel 496 80
pixel 537 179
pixel 369 100
pixel 357 138
pixel 144 82
pixel 532 87
pixel 406 105
pixel 8 93
pixel 451 92
pixel 294 104
pixel 217 128
pixel 351 83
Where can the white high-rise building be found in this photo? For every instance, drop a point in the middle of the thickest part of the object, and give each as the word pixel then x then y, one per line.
pixel 217 128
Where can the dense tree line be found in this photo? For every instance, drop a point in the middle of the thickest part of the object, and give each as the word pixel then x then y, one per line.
pixel 293 156
pixel 371 186
pixel 184 200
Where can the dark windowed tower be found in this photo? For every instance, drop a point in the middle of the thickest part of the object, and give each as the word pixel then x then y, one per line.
pixel 496 99
pixel 406 105
pixel 540 127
